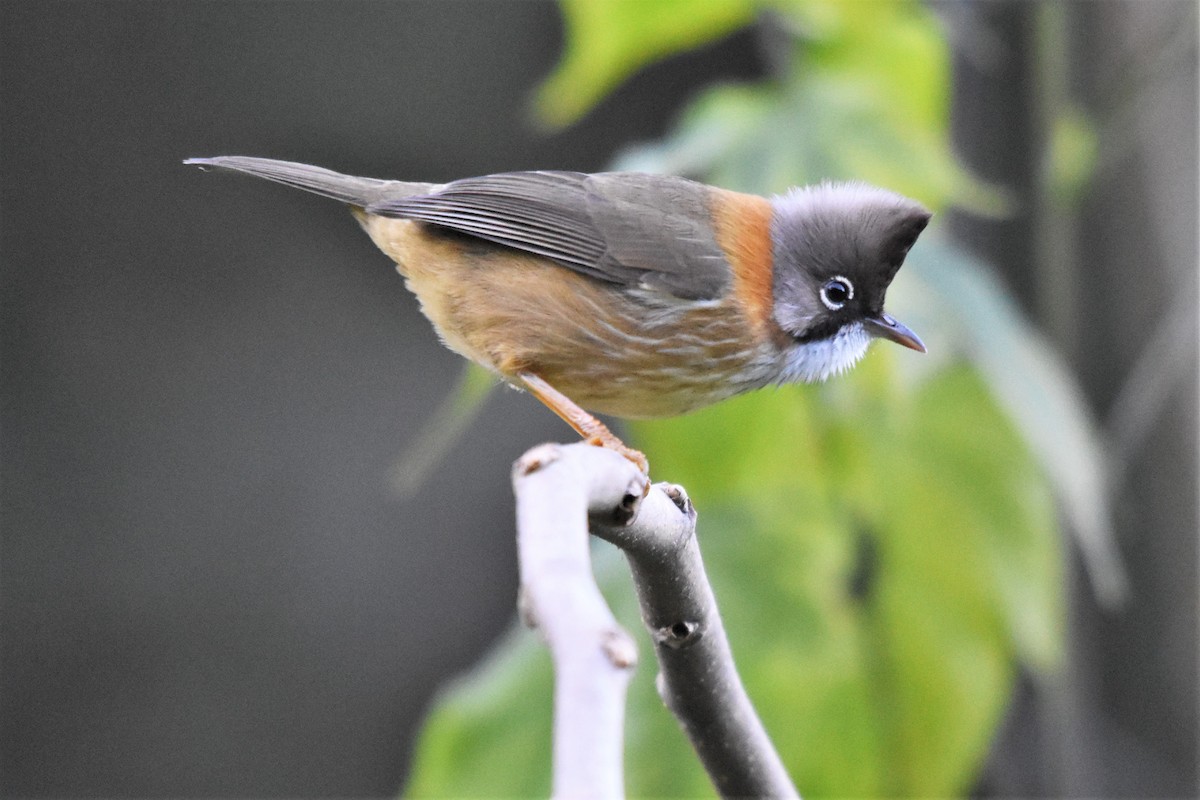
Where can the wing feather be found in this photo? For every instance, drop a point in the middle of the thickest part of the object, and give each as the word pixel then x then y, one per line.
pixel 629 229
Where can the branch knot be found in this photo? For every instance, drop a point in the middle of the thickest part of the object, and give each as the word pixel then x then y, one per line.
pixel 679 634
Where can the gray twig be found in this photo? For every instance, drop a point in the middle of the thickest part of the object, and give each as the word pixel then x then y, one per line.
pixel 698 681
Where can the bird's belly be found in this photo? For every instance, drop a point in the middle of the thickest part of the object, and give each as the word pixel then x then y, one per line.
pixel 612 354
pixel 603 346
pixel 660 373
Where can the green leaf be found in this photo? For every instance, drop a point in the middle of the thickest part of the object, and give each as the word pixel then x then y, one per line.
pixel 864 100
pixel 897 48
pixel 931 485
pixel 608 40
pixel 960 304
pixel 489 733
pixel 1073 147
pixel 883 553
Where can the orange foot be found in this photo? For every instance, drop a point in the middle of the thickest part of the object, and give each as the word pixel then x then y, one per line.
pixel 591 429
pixel 635 457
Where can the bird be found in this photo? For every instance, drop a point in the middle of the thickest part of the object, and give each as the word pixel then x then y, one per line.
pixel 630 294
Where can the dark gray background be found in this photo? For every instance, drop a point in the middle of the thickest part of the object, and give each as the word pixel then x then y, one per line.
pixel 207 588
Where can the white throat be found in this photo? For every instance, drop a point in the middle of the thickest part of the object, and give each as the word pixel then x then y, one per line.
pixel 819 359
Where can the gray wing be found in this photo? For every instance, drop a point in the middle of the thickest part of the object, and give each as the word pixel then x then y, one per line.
pixel 625 228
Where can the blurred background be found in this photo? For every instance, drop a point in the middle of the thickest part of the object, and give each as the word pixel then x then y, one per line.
pixel 208 584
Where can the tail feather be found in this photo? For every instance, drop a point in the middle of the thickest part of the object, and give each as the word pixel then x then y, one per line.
pixel 327 183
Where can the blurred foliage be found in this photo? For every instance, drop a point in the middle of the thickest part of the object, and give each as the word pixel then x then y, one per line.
pixel 883 546
pixel 879 583
pixel 1073 148
pixel 863 91
pixel 608 40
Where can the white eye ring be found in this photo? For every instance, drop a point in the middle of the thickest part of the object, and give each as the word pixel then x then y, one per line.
pixel 836 292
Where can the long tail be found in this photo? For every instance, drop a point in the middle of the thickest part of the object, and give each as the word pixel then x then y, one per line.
pixel 355 191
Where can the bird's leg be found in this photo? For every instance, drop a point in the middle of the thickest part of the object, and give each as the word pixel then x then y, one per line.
pixel 591 429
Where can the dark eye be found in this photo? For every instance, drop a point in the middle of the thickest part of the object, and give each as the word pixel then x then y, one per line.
pixel 836 292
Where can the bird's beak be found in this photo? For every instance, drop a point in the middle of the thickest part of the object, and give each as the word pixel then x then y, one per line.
pixel 886 326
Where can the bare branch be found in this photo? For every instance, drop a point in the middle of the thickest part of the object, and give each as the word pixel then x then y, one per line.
pixel 698 680
pixel 558 488
pixel 555 488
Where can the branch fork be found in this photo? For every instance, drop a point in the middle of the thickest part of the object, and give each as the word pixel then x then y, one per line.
pixel 564 492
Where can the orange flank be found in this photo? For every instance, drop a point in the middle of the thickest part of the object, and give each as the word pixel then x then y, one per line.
pixel 742 225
